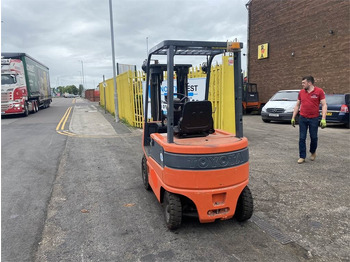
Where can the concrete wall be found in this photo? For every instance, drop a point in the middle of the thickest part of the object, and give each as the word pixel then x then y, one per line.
pixel 302 27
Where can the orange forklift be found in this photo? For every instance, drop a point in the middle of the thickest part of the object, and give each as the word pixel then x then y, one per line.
pixel 192 168
pixel 250 98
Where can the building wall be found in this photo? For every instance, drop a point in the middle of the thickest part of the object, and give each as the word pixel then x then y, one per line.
pixel 301 27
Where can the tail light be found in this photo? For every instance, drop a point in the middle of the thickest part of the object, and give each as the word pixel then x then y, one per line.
pixel 17 94
pixel 344 109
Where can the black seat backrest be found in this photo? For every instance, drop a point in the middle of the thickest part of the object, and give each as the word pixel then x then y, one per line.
pixel 196 119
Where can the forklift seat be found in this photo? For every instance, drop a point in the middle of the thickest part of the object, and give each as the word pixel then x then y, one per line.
pixel 196 120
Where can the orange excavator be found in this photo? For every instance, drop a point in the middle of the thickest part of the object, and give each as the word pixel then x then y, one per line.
pixel 193 168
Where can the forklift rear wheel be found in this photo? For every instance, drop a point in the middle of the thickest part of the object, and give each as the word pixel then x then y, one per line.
pixel 145 173
pixel 244 209
pixel 173 210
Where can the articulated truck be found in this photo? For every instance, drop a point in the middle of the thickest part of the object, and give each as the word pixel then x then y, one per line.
pixel 25 84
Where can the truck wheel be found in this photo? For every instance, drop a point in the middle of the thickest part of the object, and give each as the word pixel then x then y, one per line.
pixel 244 208
pixel 144 170
pixel 36 106
pixel 26 110
pixel 173 210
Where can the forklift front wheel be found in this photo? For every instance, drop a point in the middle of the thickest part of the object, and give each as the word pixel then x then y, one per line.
pixel 145 173
pixel 244 209
pixel 173 210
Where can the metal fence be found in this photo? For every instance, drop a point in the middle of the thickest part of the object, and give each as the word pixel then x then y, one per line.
pixel 130 98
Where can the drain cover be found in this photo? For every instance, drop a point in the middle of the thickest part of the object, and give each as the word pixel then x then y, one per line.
pixel 271 230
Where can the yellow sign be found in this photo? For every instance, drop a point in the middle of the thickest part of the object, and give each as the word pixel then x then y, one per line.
pixel 263 51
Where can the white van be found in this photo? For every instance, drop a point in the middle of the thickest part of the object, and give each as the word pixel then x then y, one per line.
pixel 280 106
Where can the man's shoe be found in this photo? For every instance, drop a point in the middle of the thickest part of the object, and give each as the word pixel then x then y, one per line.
pixel 313 157
pixel 301 160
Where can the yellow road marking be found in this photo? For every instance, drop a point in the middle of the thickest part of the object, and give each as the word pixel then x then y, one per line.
pixel 66 133
pixel 58 126
pixel 60 129
pixel 64 122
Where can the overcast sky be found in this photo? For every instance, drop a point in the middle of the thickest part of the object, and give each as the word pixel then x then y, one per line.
pixel 62 33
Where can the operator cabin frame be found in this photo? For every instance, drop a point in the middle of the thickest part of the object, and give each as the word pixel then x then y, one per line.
pixel 170 48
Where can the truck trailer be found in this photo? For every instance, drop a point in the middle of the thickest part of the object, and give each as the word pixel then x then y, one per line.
pixel 25 84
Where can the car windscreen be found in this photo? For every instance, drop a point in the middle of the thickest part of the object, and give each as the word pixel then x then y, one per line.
pixel 8 79
pixel 285 96
pixel 335 99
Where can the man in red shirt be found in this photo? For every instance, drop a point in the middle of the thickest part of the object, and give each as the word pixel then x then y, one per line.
pixel 308 102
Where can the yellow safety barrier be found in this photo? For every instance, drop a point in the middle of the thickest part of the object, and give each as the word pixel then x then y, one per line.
pixel 130 104
pixel 107 100
pixel 130 99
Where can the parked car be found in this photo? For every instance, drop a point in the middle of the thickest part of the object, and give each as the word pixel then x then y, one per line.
pixel 280 106
pixel 338 106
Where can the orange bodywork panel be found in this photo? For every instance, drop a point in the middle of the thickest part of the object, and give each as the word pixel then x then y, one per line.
pixel 219 142
pixel 251 105
pixel 214 191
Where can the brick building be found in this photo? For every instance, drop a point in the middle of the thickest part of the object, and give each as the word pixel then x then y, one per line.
pixel 303 37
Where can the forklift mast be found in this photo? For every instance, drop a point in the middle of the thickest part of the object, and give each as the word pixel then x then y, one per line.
pixel 182 78
pixel 156 77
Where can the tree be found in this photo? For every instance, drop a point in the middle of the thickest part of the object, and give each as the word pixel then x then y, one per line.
pixel 72 89
pixel 60 89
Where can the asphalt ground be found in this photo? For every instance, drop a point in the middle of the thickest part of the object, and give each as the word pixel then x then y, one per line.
pixel 99 210
pixel 30 156
pixel 308 202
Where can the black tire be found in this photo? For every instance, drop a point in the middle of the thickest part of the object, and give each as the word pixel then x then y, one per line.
pixel 245 206
pixel 172 210
pixel 26 110
pixel 259 110
pixel 144 171
pixel 266 121
pixel 34 107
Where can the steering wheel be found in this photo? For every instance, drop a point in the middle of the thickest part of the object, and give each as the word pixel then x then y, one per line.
pixel 184 97
pixel 181 101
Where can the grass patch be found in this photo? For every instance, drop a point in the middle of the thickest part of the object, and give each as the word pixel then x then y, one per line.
pixel 125 122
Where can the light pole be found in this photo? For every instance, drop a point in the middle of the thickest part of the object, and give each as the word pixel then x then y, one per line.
pixel 82 71
pixel 81 77
pixel 113 59
pixel 80 88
